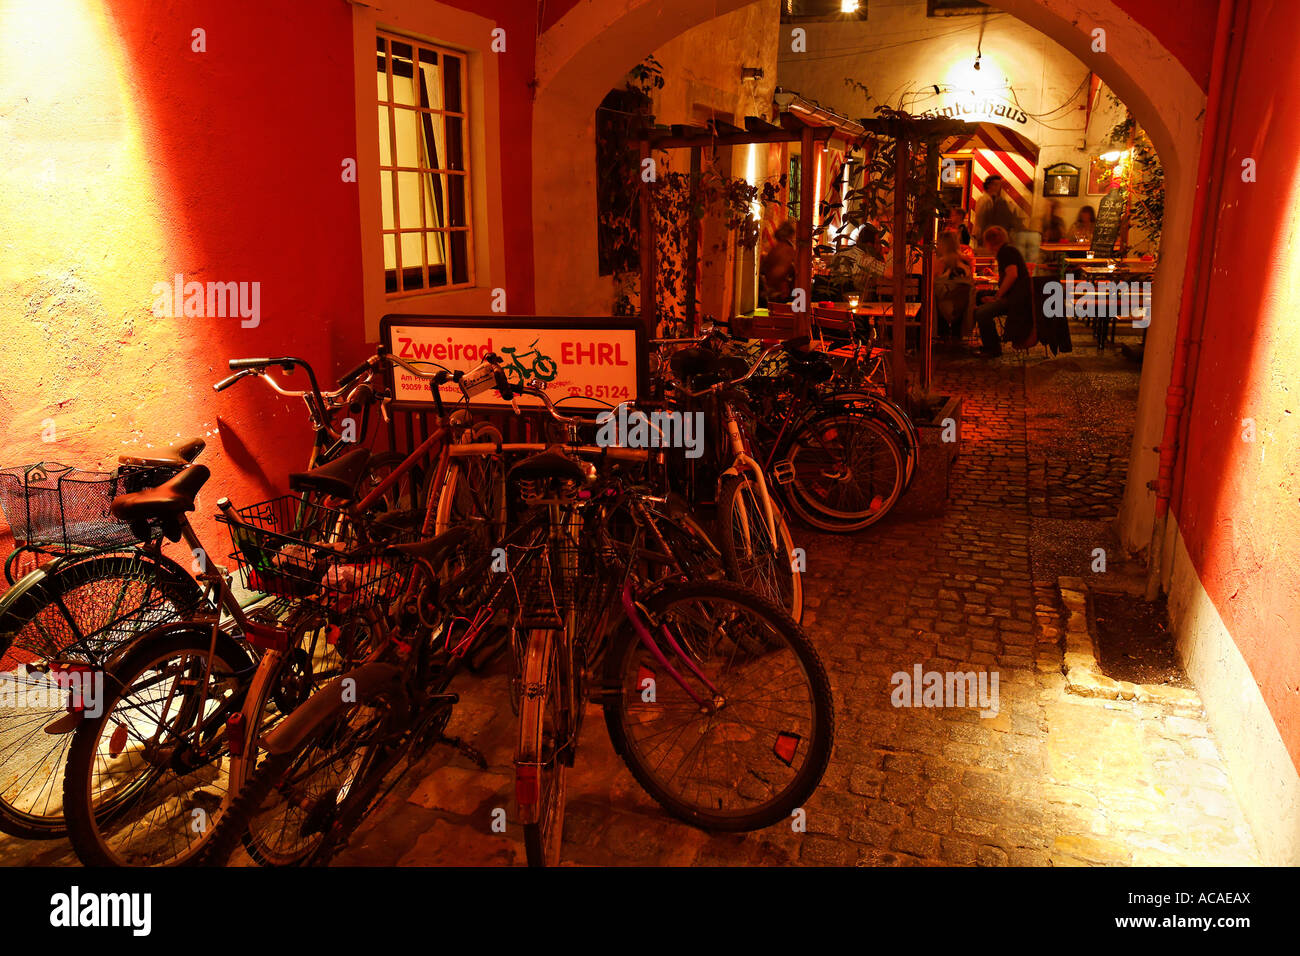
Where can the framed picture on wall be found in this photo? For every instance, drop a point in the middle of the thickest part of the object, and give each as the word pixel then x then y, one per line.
pixel 1061 180
pixel 1100 174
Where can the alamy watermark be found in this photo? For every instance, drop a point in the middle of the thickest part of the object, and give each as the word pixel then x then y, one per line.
pixel 212 300
pixel 922 688
pixel 79 690
pixel 1103 299
pixel 632 428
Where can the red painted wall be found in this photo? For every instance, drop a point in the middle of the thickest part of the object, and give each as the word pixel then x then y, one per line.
pixel 1238 504
pixel 245 143
pixel 1185 29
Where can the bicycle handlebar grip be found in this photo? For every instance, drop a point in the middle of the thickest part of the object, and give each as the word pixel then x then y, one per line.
pixel 355 374
pixel 230 380
pixel 503 385
pixel 250 363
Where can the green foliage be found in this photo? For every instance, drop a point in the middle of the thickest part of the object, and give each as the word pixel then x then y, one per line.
pixel 1147 180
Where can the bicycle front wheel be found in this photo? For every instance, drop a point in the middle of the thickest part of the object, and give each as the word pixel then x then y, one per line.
pixel 80 611
pixel 149 776
pixel 770 568
pixel 752 744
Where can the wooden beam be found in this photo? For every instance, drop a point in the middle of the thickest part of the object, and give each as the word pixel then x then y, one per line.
pixel 928 230
pixel 669 141
pixel 898 358
pixel 649 307
pixel 804 250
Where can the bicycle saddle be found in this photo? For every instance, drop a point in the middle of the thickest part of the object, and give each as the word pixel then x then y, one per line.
pixel 699 369
pixel 810 366
pixel 338 477
pixel 548 464
pixel 167 502
pixel 434 549
pixel 177 455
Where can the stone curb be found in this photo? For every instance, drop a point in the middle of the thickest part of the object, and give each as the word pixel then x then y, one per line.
pixel 1083 675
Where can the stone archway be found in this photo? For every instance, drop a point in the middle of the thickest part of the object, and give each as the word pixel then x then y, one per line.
pixel 592 46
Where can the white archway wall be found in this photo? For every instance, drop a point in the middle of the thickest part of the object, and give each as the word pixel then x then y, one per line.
pixel 579 59
pixel 589 50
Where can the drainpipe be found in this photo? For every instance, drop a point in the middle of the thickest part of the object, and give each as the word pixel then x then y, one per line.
pixel 1176 396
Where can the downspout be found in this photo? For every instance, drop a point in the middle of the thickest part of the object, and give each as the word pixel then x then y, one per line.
pixel 1176 396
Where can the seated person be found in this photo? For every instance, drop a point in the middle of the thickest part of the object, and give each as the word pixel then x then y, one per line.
pixel 776 271
pixel 1013 298
pixel 954 284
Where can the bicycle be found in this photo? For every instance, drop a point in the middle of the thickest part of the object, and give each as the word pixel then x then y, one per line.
pixel 84 608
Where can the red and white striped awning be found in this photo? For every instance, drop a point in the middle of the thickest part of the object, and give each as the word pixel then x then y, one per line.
pixel 1004 152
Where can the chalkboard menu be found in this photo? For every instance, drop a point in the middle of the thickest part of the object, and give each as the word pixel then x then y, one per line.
pixel 1106 231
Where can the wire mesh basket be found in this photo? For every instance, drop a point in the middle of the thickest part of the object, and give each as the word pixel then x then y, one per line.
pixel 57 507
pixel 293 548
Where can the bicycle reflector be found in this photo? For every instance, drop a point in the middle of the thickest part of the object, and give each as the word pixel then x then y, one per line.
pixel 235 734
pixel 527 788
pixel 785 747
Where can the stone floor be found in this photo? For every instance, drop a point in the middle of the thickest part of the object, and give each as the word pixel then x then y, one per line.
pixel 1053 779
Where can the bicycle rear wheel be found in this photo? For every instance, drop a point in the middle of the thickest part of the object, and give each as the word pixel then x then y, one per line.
pixel 541 770
pixel 760 747
pixel 847 472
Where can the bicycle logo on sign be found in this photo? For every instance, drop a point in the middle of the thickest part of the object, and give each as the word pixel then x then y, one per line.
pixel 543 366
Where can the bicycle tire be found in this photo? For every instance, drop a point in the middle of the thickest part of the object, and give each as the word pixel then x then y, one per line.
pixel 544 823
pixel 620 663
pixel 888 414
pixel 90 823
pixel 740 505
pixel 842 506
pixel 39 618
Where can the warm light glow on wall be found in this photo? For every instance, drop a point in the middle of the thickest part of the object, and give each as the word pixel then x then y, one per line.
pixel 85 236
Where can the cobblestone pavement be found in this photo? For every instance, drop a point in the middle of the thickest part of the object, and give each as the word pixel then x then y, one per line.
pixel 1053 779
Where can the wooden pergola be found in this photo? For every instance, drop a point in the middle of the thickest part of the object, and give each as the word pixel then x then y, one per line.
pixel 805 128
pixel 808 124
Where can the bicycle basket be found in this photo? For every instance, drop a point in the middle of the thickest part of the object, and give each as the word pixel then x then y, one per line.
pixel 292 548
pixel 58 507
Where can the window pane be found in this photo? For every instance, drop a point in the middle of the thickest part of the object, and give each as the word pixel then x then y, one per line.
pixel 386 198
pixel 407 137
pixel 431 85
pixel 408 197
pixel 403 91
pixel 436 244
pixel 455 144
pixel 459 258
pixel 412 259
pixel 456 201
pixel 385 143
pixel 435 204
pixel 435 144
pixel 451 79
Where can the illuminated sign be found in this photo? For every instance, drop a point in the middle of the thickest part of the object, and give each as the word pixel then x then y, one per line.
pixel 977 109
pixel 584 363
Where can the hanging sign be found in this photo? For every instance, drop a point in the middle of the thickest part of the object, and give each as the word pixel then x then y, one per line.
pixel 584 363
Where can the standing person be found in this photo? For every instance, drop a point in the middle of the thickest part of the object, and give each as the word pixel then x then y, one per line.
pixel 776 272
pixel 994 209
pixel 1013 299
pixel 1081 231
pixel 1053 225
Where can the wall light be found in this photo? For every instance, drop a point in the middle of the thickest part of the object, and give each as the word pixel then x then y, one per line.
pixel 848 6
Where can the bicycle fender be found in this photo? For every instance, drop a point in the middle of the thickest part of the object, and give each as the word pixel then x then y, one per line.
pixel 332 699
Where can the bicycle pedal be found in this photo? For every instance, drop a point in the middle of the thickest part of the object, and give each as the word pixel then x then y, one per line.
pixel 783 472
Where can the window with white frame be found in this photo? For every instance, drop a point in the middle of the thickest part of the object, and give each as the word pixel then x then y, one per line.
pixel 424 166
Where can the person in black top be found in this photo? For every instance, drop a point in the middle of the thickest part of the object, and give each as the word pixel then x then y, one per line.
pixel 1013 299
